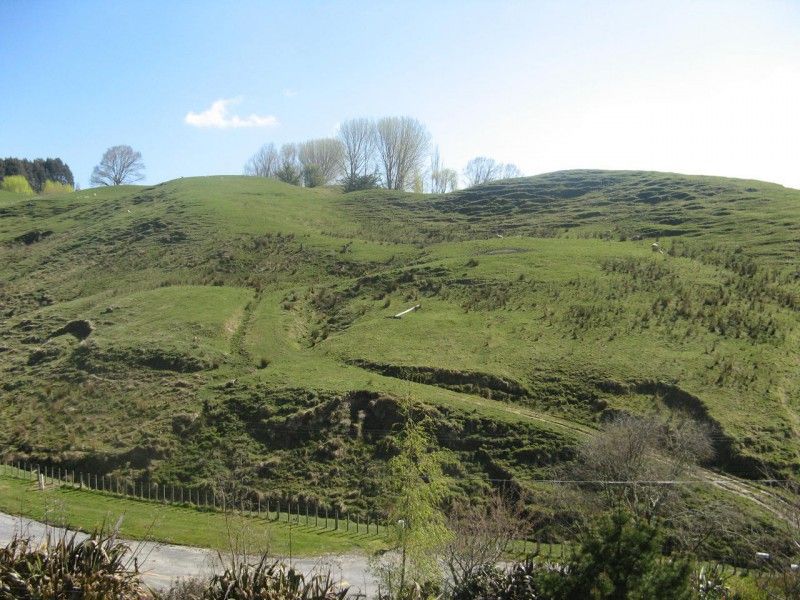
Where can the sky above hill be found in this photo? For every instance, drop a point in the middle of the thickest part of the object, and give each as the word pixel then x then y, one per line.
pixel 197 87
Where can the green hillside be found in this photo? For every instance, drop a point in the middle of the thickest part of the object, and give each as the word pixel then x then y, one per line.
pixel 239 327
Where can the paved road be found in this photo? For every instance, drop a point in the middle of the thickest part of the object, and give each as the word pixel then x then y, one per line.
pixel 162 564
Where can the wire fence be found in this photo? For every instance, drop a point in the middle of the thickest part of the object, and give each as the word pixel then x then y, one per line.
pixel 205 498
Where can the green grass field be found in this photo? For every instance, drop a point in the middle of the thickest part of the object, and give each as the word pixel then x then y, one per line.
pixel 141 520
pixel 240 327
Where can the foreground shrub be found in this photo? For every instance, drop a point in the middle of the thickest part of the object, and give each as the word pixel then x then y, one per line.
pixel 270 581
pixel 17 184
pixel 490 583
pixel 94 569
pixel 185 589
pixel 620 559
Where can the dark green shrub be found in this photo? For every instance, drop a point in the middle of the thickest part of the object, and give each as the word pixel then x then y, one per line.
pixel 312 176
pixel 620 559
pixel 360 182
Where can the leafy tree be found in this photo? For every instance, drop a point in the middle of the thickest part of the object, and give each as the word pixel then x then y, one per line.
pixel 36 174
pixel 38 171
pixel 312 176
pixel 620 559
pixel 55 187
pixel 417 529
pixel 17 184
pixel 120 164
pixel 290 170
pixel 58 171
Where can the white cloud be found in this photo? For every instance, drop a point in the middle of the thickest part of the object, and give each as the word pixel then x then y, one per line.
pixel 289 93
pixel 218 116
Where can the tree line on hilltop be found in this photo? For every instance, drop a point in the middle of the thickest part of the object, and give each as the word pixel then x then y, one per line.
pixel 391 152
pixel 38 175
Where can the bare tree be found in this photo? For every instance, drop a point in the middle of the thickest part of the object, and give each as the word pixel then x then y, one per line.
pixel 481 535
pixel 509 171
pixel 443 180
pixel 402 143
pixel 631 462
pixel 480 169
pixel 120 164
pixel 321 160
pixel 357 137
pixel 264 163
pixel 483 169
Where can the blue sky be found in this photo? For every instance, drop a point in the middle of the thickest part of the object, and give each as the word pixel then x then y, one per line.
pixel 695 87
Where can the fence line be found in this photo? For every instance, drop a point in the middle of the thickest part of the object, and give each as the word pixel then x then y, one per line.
pixel 205 498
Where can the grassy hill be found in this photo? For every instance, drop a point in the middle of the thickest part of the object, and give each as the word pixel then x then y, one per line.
pixel 233 327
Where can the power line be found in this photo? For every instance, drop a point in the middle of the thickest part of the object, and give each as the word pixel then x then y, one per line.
pixel 642 481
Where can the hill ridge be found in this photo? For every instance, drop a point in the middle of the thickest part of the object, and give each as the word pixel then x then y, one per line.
pixel 524 282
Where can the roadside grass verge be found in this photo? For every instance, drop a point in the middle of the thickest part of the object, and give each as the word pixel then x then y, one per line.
pixel 87 510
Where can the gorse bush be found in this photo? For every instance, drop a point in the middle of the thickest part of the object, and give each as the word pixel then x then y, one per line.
pixel 97 568
pixel 17 184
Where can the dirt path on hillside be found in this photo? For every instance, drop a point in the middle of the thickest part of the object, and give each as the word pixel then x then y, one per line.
pixel 768 501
